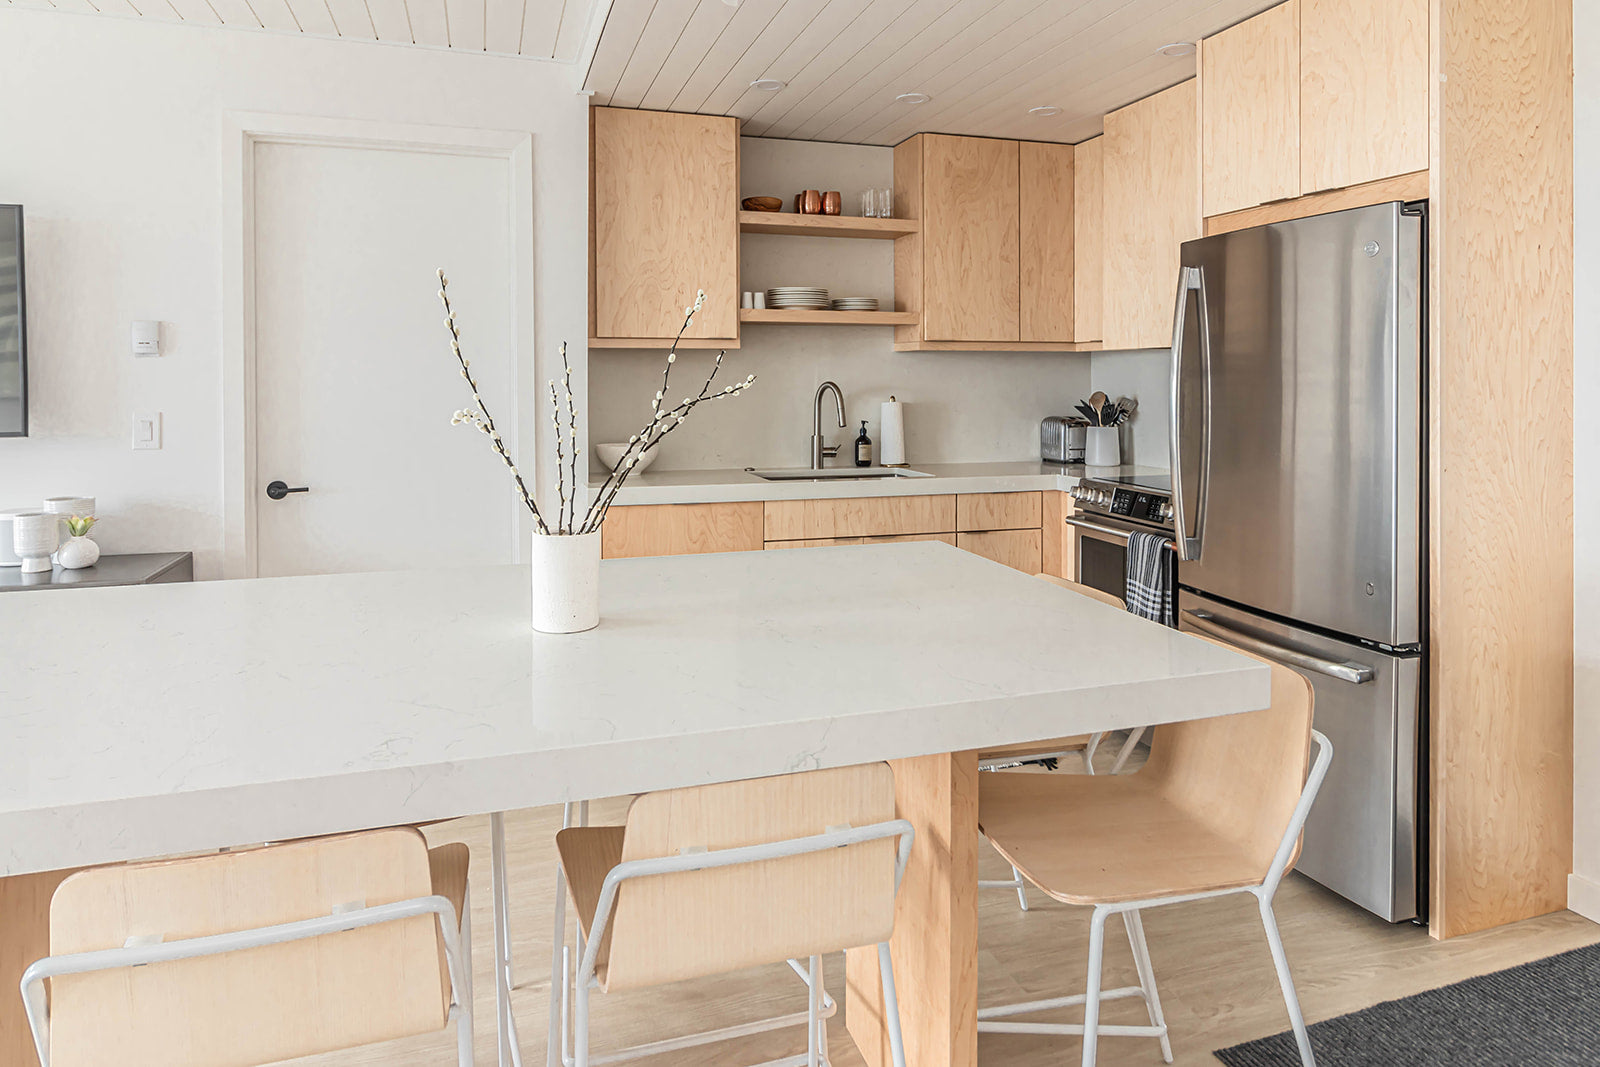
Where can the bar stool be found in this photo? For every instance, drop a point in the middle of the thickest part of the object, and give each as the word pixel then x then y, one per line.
pixel 1218 809
pixel 712 879
pixel 1085 745
pixel 224 959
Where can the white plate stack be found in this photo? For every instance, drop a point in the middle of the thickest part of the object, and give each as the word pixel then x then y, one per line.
pixel 798 298
pixel 856 303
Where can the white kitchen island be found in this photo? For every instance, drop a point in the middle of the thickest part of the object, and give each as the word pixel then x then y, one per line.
pixel 144 721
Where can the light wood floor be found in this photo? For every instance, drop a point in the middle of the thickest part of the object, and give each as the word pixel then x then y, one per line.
pixel 1215 976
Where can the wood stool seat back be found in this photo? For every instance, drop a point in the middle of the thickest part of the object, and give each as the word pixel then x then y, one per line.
pixel 1240 775
pixel 689 924
pixel 1088 591
pixel 260 1004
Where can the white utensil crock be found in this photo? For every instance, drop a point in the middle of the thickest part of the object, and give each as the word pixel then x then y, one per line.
pixel 566 582
pixel 1101 447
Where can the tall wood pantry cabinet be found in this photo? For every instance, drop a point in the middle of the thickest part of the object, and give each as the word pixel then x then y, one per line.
pixel 663 222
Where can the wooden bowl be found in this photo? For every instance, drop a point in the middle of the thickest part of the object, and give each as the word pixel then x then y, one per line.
pixel 761 203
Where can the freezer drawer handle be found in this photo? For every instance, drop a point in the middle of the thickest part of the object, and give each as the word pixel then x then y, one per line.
pixel 1354 673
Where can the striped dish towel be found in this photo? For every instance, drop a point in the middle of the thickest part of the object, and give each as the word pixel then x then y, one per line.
pixel 1149 578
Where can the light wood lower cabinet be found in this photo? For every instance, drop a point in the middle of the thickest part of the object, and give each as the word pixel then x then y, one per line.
pixel 681 529
pixel 828 542
pixel 872 516
pixel 998 511
pixel 1021 549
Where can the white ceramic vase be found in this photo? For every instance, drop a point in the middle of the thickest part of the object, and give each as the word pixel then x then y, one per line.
pixel 77 553
pixel 566 582
pixel 34 537
pixel 1102 447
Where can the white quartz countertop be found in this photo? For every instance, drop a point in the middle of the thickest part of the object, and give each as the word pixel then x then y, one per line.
pixel 707 486
pixel 151 720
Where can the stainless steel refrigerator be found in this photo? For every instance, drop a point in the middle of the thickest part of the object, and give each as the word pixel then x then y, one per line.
pixel 1298 440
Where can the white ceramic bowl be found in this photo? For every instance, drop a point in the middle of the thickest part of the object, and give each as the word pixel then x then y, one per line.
pixel 611 455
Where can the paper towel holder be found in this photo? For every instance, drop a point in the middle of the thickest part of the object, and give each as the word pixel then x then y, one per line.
pixel 886 435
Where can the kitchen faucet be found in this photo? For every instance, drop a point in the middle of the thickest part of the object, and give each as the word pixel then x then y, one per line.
pixel 820 451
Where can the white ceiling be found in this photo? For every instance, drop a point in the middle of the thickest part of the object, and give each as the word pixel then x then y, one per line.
pixel 983 62
pixel 543 29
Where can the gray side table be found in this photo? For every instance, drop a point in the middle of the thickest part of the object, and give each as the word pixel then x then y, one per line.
pixel 137 568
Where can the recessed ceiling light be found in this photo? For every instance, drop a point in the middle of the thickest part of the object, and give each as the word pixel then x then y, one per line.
pixel 912 98
pixel 1176 48
pixel 1046 111
pixel 768 85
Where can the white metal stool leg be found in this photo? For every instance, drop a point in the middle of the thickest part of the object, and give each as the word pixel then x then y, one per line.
pixel 505 1024
pixel 1022 889
pixel 1147 977
pixel 554 1047
pixel 1089 751
pixel 464 1021
pixel 1127 749
pixel 891 1006
pixel 1291 1000
pixel 1091 1003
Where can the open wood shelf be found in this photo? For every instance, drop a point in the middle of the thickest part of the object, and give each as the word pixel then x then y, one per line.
pixel 825 225
pixel 833 318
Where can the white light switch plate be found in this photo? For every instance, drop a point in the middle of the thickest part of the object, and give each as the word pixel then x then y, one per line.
pixel 146 430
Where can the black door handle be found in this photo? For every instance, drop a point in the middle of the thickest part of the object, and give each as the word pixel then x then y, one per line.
pixel 278 490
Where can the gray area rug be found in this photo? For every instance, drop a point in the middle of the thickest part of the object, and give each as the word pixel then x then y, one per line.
pixel 1542 1014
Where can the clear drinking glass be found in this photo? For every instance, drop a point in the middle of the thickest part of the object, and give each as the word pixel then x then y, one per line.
pixel 885 203
pixel 869 204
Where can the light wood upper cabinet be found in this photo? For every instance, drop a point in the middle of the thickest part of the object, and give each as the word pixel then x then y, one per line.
pixel 970 207
pixel 663 222
pixel 1088 225
pixel 1250 112
pixel 1363 91
pixel 1152 206
pixel 1045 184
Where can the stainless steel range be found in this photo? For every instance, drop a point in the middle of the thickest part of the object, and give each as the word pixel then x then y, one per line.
pixel 1109 509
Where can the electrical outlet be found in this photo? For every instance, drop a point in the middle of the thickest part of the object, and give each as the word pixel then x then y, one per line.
pixel 146 430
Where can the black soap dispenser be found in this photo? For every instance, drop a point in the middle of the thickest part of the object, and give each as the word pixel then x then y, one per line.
pixel 863 447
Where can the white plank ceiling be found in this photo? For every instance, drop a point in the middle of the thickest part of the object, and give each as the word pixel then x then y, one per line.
pixel 541 29
pixel 983 63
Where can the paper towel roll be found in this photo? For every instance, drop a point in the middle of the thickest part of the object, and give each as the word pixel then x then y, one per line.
pixel 892 434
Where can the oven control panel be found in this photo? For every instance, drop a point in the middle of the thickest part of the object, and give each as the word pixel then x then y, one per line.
pixel 1150 507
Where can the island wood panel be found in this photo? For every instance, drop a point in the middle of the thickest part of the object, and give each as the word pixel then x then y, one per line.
pixel 1501 252
pixel 908 249
pixel 970 204
pixel 890 539
pixel 24 938
pixel 664 221
pixel 1088 229
pixel 1021 550
pixel 1046 241
pixel 681 529
pixel 1364 75
pixel 872 516
pixel 998 511
pixel 1250 112
pixel 1405 187
pixel 935 924
pixel 1152 206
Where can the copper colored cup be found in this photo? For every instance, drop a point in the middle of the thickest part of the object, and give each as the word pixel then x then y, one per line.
pixel 809 202
pixel 832 203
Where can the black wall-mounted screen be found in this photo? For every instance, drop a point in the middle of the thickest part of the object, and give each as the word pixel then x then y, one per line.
pixel 13 331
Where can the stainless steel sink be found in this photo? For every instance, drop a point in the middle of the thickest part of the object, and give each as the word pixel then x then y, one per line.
pixel 835 474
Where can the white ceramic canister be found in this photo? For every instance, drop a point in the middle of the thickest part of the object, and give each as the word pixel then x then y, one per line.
pixel 566 582
pixel 34 536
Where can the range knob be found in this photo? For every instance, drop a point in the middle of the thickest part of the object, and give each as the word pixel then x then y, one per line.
pixel 1078 492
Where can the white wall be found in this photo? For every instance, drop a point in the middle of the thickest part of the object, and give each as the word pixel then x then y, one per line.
pixel 1584 889
pixel 1145 375
pixel 110 140
pixel 961 406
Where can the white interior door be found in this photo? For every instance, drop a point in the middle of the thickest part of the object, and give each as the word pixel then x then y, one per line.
pixel 354 379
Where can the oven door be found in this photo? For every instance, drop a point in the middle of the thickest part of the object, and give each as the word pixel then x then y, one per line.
pixel 1101 554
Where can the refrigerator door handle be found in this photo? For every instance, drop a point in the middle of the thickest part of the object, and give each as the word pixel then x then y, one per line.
pixel 1354 673
pixel 1190 279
